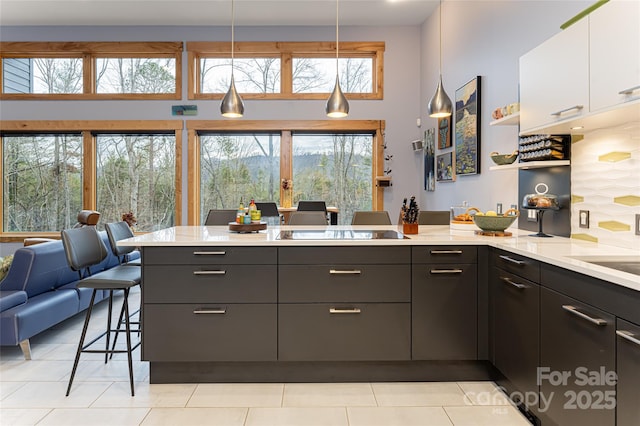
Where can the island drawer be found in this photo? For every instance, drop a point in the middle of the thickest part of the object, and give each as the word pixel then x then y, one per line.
pixel 210 283
pixel 444 254
pixel 344 283
pixel 202 332
pixel 209 255
pixel 338 332
pixel 343 255
pixel 516 264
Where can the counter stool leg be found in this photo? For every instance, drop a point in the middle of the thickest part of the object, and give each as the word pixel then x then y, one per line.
pixel 82 336
pixel 115 337
pixel 106 353
pixel 128 333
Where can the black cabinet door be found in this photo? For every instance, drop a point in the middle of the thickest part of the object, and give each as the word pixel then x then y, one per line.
pixel 628 363
pixel 577 359
pixel 444 314
pixel 516 331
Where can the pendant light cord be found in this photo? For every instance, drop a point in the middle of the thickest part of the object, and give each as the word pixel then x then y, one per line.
pixel 440 38
pixel 337 34
pixel 233 17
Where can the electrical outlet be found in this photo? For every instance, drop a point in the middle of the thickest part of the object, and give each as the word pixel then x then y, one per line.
pixel 583 218
pixel 532 215
pixel 638 224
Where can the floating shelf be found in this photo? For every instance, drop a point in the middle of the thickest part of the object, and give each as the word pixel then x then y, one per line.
pixel 509 120
pixel 532 165
pixel 383 181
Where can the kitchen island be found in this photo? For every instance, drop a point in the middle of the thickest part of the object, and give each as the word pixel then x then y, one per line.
pixel 363 303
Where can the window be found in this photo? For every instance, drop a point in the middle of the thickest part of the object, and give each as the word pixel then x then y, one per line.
pixel 136 173
pixel 48 177
pixel 286 70
pixel 60 70
pixel 42 178
pixel 335 168
pixel 334 161
pixel 238 166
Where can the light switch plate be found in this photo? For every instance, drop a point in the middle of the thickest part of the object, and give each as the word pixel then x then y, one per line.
pixel 532 215
pixel 583 218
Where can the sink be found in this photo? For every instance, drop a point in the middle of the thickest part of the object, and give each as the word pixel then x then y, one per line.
pixel 628 264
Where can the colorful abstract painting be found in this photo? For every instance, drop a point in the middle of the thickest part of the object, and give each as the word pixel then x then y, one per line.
pixel 467 128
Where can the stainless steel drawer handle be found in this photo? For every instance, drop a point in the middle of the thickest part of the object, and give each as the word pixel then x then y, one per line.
pixel 512 260
pixel 446 252
pixel 209 253
pixel 344 311
pixel 575 311
pixel 627 335
pixel 514 284
pixel 345 271
pixel 209 272
pixel 576 107
pixel 203 311
pixel 446 271
pixel 629 91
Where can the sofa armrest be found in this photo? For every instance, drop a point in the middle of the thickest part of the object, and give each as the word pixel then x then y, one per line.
pixel 12 298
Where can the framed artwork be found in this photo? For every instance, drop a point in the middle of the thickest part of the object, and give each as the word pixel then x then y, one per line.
pixel 445 167
pixel 467 128
pixel 444 132
pixel 430 159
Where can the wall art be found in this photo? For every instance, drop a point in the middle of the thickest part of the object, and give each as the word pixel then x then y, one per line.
pixel 430 159
pixel 444 132
pixel 467 128
pixel 445 167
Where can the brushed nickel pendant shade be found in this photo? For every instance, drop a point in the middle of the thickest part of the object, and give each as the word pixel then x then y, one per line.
pixel 232 105
pixel 440 104
pixel 337 104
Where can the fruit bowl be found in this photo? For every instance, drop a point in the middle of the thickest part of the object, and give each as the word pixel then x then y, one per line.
pixel 496 223
pixel 504 159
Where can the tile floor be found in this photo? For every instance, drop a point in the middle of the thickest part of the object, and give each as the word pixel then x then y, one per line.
pixel 32 393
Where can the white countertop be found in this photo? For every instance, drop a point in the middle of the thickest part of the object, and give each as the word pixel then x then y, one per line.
pixel 556 251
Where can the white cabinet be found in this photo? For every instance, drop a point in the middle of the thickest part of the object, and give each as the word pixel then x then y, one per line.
pixel 554 78
pixel 614 38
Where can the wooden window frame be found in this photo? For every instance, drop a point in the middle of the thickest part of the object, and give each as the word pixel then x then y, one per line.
pixel 286 129
pixel 89 129
pixel 89 51
pixel 286 51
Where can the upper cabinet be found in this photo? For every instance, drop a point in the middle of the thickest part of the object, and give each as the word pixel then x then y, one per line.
pixel 587 75
pixel 614 40
pixel 554 78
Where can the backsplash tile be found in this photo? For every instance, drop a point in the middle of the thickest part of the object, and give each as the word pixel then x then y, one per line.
pixel 605 179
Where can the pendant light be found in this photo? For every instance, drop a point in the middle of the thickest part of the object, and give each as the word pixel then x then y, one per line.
pixel 440 104
pixel 337 104
pixel 232 106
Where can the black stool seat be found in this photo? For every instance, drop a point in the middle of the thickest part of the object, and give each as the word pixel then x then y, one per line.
pixel 84 248
pixel 117 278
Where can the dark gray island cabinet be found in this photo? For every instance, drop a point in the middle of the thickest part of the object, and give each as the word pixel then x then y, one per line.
pixel 274 313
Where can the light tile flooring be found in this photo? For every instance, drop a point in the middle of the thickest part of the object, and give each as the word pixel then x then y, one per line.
pixel 32 392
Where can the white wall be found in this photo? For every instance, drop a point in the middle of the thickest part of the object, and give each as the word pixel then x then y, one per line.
pixel 485 38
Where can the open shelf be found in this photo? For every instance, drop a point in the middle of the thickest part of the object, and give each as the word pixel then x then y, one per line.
pixel 509 120
pixel 532 165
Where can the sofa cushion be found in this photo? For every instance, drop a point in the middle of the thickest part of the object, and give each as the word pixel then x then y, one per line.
pixel 11 298
pixel 36 315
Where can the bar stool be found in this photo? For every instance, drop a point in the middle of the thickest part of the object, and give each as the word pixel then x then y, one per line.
pixel 117 231
pixel 84 248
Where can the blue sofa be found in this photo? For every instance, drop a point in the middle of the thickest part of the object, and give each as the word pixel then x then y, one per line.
pixel 39 291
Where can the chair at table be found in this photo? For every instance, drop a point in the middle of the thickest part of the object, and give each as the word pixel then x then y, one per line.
pixel 313 206
pixel 84 248
pixel 270 209
pixel 433 217
pixel 307 218
pixel 220 217
pixel 371 218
